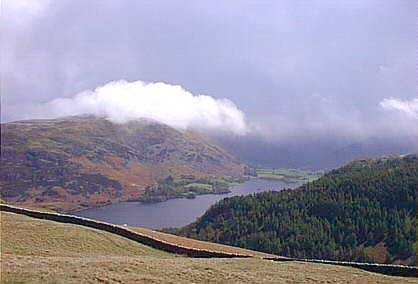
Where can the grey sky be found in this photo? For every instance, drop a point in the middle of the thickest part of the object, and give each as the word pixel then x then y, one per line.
pixel 293 67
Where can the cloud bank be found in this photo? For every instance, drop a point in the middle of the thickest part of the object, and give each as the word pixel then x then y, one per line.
pixel 122 101
pixel 297 68
pixel 408 107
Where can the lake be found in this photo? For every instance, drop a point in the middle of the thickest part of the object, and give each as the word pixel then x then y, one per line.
pixel 174 212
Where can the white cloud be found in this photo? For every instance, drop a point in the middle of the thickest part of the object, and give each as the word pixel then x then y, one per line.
pixel 122 101
pixel 408 107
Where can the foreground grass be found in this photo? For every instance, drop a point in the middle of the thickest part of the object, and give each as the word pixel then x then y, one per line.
pixel 22 235
pixel 39 251
pixel 148 269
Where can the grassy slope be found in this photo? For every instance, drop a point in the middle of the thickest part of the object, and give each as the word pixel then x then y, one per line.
pixel 22 235
pixel 40 251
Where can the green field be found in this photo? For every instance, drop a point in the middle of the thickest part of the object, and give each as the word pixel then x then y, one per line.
pixel 178 188
pixel 287 175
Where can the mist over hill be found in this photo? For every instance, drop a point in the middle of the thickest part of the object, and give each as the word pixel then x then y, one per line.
pixel 314 153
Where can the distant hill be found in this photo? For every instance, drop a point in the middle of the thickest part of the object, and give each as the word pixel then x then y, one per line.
pixel 364 211
pixel 314 153
pixel 76 162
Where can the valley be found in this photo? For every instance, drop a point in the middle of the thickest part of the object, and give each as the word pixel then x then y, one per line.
pixel 190 142
pixel 145 175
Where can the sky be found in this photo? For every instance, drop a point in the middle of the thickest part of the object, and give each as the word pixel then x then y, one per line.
pixel 275 68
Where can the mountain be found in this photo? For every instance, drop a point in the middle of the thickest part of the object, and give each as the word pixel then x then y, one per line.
pixel 313 153
pixel 363 211
pixel 77 162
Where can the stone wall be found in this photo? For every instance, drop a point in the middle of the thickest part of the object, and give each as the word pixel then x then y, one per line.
pixel 388 269
pixel 121 231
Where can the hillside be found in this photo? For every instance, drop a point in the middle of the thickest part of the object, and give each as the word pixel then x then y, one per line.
pixel 363 211
pixel 77 162
pixel 42 251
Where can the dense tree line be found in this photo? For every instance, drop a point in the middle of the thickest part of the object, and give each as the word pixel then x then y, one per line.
pixel 360 205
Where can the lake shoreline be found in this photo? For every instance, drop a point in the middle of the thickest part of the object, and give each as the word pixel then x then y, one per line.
pixel 175 212
pixel 160 198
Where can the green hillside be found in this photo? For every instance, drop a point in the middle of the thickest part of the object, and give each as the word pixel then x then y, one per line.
pixel 364 211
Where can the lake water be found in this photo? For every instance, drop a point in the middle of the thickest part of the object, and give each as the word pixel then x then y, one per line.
pixel 174 212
